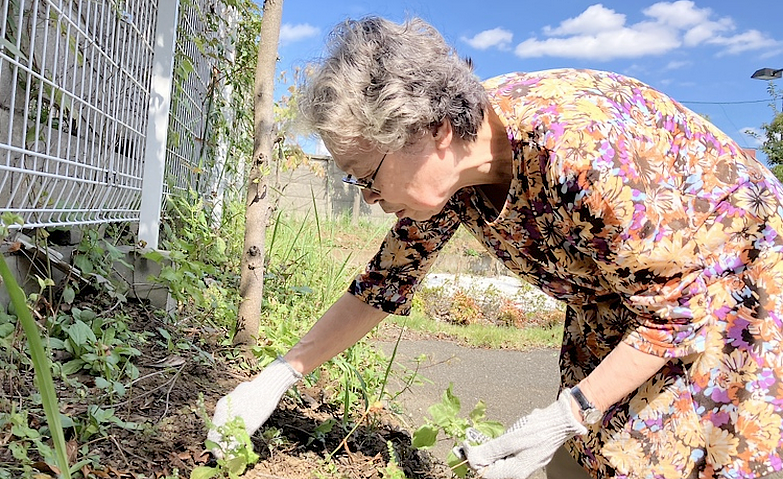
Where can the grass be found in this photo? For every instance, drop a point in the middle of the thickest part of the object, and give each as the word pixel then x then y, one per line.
pixel 483 335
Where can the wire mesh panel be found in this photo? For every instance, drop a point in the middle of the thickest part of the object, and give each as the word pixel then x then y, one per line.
pixel 188 159
pixel 75 80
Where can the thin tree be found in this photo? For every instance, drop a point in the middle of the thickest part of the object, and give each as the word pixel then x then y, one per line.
pixel 251 285
pixel 772 136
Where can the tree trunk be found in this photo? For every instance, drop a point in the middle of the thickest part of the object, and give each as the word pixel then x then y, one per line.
pixel 251 286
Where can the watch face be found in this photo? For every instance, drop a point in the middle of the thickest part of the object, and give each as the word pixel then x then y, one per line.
pixel 592 416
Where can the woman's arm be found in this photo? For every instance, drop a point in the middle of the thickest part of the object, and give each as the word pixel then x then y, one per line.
pixel 347 321
pixel 619 374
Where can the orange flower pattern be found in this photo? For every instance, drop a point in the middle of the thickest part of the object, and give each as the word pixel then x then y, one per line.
pixel 655 229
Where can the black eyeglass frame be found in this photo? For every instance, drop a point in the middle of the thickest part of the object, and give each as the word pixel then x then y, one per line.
pixel 365 184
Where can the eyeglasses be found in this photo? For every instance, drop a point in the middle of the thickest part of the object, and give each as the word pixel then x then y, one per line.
pixel 365 184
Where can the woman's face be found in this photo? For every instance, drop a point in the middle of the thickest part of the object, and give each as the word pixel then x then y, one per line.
pixel 415 182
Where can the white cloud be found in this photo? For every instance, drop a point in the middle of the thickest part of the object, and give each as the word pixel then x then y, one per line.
pixel 619 43
pixel 497 37
pixel 680 14
pixel 600 33
pixel 594 20
pixel 293 33
pixel 750 40
pixel 676 65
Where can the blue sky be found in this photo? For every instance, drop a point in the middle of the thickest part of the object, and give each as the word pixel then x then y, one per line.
pixel 702 53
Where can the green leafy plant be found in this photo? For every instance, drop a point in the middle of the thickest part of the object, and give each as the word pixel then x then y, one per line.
pixel 95 257
pixel 234 457
pixel 771 137
pixel 98 345
pixel 99 421
pixel 392 469
pixel 445 418
pixel 24 441
pixel 200 267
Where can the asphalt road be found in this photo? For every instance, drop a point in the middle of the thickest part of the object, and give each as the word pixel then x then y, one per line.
pixel 511 383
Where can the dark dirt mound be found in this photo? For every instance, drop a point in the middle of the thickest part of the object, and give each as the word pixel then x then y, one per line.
pixel 364 453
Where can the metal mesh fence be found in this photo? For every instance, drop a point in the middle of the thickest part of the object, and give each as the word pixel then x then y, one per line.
pixel 74 96
pixel 187 155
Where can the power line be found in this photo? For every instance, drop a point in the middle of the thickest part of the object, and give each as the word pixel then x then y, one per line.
pixel 746 102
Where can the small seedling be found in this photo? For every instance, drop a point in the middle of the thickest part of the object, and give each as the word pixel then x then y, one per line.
pixel 233 457
pixel 445 418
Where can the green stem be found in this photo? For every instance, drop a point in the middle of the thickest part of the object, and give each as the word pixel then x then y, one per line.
pixel 42 365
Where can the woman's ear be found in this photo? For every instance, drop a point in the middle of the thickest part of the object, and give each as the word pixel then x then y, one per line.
pixel 443 134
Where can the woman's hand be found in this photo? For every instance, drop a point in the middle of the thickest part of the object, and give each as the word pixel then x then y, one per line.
pixel 527 446
pixel 253 401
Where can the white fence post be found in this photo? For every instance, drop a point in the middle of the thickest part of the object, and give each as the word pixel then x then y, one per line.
pixel 158 122
pixel 227 33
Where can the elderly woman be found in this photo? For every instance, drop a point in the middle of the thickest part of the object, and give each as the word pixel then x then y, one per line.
pixel 660 235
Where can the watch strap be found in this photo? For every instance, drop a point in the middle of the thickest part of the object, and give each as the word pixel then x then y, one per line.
pixel 581 399
pixel 590 413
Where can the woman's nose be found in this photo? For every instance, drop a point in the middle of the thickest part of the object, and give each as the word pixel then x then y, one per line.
pixel 370 197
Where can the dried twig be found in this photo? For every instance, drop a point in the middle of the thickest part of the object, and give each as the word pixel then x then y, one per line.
pixel 168 393
pixel 119 448
pixel 268 476
pixel 344 442
pixel 151 391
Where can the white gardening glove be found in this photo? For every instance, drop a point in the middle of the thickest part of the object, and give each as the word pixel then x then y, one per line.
pixel 527 446
pixel 253 401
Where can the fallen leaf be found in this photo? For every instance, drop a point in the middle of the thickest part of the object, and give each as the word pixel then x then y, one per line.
pixel 72 449
pixel 48 471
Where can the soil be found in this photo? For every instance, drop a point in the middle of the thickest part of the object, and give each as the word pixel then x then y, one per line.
pixel 166 401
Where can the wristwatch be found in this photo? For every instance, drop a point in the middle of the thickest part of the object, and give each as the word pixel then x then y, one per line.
pixel 590 414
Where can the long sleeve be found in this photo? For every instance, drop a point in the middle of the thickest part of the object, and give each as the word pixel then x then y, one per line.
pixel 405 256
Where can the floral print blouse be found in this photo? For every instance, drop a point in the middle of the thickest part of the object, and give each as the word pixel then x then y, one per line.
pixel 656 230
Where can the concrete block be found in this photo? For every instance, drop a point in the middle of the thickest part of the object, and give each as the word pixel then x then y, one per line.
pixel 134 281
pixel 20 268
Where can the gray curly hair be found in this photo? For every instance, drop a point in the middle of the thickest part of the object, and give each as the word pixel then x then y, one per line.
pixel 387 84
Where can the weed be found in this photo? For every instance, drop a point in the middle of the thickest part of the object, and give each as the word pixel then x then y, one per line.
pixel 461 302
pixel 25 439
pixel 101 346
pixel 200 268
pixel 95 258
pixel 99 421
pixel 445 418
pixel 233 457
pixel 43 372
pixel 392 469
